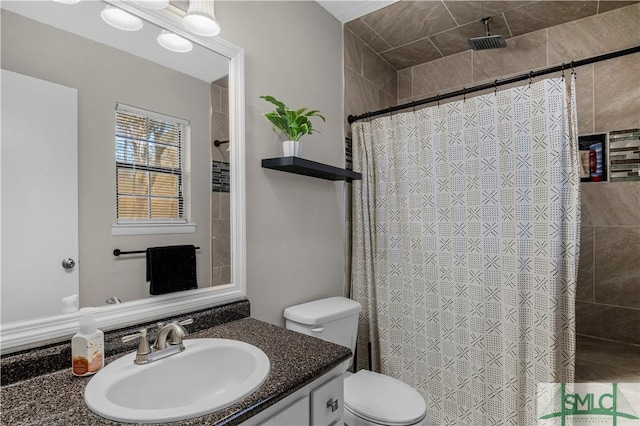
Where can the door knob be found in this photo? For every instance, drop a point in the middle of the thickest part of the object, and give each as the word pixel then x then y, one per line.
pixel 68 263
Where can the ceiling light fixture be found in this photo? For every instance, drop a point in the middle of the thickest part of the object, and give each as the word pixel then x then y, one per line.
pixel 174 42
pixel 152 4
pixel 200 18
pixel 120 19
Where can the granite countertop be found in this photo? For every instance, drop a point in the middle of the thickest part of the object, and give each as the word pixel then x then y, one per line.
pixel 296 360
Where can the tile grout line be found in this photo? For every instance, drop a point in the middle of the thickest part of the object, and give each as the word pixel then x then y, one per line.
pixel 593 97
pixel 604 363
pixel 593 264
pixel 611 226
pixel 507 24
pixel 607 305
pixel 361 72
pixel 412 95
pixel 604 339
pixel 546 45
pixel 450 14
pixel 472 79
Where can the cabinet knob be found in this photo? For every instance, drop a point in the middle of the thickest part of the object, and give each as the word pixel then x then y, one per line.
pixel 333 404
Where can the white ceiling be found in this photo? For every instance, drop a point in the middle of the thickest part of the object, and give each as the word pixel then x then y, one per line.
pixel 346 11
pixel 84 20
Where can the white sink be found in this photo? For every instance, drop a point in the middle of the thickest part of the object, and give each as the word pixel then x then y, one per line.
pixel 210 374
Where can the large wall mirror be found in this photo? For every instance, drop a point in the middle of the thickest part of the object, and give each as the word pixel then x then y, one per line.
pixel 67 77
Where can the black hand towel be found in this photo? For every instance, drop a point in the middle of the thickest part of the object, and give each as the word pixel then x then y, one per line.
pixel 171 268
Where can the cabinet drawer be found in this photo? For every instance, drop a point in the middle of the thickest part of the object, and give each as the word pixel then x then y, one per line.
pixel 327 403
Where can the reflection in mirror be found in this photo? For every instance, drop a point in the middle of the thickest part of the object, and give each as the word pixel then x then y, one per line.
pixel 220 184
pixel 65 70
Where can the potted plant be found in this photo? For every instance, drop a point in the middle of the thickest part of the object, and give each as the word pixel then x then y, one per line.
pixel 293 123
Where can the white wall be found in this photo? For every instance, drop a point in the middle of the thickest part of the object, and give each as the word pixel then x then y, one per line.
pixel 295 224
pixel 103 77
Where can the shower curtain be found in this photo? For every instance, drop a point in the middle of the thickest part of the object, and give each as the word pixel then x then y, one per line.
pixel 465 248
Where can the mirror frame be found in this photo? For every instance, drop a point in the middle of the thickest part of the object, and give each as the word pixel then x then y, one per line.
pixel 26 334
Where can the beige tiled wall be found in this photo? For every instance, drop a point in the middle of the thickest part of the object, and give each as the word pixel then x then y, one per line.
pixel 370 82
pixel 608 294
pixel 608 93
pixel 220 203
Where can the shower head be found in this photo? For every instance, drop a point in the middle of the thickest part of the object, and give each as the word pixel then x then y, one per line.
pixel 488 41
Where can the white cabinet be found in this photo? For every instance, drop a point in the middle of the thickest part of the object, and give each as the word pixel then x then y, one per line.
pixel 326 402
pixel 297 414
pixel 319 403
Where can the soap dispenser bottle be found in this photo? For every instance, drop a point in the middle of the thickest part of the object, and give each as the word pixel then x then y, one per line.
pixel 87 346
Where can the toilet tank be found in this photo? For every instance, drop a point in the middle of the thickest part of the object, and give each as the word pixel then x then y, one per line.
pixel 334 319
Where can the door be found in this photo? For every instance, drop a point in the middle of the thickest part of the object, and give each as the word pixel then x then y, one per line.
pixel 39 182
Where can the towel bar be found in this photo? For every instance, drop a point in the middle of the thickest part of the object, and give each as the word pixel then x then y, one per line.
pixel 118 252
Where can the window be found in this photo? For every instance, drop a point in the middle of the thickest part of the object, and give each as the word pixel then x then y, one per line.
pixel 150 172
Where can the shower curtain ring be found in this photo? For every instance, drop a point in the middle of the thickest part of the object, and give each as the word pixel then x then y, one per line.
pixel 495 86
pixel 438 99
pixel 573 71
pixel 562 70
pixel 464 94
pixel 530 77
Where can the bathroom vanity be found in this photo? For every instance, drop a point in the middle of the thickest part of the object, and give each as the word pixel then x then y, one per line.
pixel 304 386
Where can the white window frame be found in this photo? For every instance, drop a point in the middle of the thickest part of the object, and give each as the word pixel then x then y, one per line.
pixel 145 226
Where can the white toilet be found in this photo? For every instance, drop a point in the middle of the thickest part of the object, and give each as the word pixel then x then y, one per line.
pixel 370 399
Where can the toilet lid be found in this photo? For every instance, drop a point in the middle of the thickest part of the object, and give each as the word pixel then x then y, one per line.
pixel 383 399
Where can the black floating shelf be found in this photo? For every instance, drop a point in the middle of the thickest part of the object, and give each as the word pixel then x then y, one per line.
pixel 301 166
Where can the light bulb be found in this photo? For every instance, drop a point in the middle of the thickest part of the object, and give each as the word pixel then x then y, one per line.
pixel 174 42
pixel 120 19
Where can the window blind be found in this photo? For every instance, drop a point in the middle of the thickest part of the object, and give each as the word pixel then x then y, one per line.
pixel 149 166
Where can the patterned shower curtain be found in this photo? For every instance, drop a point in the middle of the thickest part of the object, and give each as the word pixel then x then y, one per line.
pixel 465 248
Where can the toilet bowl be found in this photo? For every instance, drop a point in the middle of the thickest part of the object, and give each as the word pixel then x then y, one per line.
pixel 373 399
pixel 370 399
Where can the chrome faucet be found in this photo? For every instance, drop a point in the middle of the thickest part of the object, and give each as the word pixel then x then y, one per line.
pixel 171 334
pixel 168 342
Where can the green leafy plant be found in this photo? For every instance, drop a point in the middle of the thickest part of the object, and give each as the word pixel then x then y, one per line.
pixel 294 123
